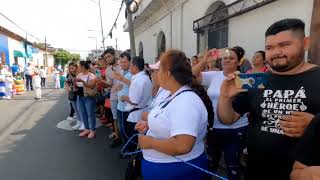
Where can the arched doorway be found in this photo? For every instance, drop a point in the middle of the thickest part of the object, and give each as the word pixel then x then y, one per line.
pixel 141 49
pixel 215 36
pixel 161 43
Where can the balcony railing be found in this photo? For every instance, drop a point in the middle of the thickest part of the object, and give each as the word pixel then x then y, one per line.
pixel 236 8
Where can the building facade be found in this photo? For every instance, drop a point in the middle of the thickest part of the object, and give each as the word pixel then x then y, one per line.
pixel 193 25
pixel 16 49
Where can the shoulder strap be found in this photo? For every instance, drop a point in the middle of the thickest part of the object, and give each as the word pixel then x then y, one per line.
pixel 167 103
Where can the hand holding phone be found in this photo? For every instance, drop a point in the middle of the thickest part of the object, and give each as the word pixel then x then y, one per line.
pixel 220 53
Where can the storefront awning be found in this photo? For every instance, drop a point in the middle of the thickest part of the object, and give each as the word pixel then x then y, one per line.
pixel 18 54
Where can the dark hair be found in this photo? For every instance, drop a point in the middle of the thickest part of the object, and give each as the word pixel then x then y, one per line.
pixel 239 52
pixel 180 68
pixel 85 64
pixel 139 62
pixel 73 63
pixel 108 51
pixel 125 54
pixel 195 56
pixel 263 54
pixel 294 25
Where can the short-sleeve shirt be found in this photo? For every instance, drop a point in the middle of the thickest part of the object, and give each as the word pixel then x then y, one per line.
pixel 184 115
pixel 140 92
pixel 86 78
pixel 213 80
pixel 111 80
pixel 124 92
pixel 269 148
pixel 308 148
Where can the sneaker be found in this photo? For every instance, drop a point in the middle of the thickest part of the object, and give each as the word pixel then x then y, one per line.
pixel 70 118
pixel 116 143
pixel 77 126
pixel 81 127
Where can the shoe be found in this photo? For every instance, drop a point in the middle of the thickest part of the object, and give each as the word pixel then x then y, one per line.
pixel 84 133
pixel 70 119
pixel 92 135
pixel 116 143
pixel 82 127
pixel 77 126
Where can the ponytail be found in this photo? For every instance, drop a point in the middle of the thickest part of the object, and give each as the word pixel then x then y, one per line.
pixel 202 93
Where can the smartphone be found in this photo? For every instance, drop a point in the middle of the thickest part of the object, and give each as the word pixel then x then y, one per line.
pixel 98 73
pixel 252 81
pixel 220 53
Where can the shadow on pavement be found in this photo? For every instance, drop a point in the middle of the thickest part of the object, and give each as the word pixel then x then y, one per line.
pixel 46 152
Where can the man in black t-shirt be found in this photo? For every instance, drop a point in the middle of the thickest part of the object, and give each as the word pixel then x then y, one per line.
pixel 307 156
pixel 280 112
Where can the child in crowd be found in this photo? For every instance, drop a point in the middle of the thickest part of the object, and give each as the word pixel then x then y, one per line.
pixel 37 83
pixel 8 85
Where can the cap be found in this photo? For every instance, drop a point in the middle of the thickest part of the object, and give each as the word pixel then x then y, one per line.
pixel 155 66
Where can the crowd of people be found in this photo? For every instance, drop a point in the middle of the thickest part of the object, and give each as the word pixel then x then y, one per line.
pixel 192 112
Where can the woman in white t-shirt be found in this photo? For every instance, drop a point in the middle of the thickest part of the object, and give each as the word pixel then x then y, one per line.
pixel 86 104
pixel 177 125
pixel 223 138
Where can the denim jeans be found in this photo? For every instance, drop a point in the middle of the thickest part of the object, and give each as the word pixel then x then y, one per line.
pixel 86 107
pixel 29 82
pixel 75 108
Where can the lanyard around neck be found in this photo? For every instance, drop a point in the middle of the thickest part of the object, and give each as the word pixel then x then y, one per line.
pixel 167 103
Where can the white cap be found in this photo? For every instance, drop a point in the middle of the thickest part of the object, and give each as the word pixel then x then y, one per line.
pixel 155 66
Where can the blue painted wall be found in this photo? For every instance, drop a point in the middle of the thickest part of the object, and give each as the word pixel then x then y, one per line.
pixel 4 47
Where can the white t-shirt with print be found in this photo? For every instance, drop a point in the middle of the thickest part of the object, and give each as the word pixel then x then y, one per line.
pixel 185 114
pixel 85 78
pixel 140 93
pixel 213 80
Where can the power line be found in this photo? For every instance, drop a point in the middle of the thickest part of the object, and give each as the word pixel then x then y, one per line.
pixel 115 22
pixel 19 27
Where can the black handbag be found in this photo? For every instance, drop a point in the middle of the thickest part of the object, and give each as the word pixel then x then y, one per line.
pixel 72 96
pixel 133 170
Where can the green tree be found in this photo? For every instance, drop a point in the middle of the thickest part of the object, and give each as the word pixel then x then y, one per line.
pixel 63 57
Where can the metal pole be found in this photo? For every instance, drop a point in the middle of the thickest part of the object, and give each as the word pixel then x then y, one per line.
pixel 46 55
pixel 131 32
pixel 314 53
pixel 101 26
pixel 96 45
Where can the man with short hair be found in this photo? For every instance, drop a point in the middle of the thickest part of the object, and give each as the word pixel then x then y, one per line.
pixel 109 56
pixel 122 90
pixel 140 93
pixel 281 111
pixel 28 72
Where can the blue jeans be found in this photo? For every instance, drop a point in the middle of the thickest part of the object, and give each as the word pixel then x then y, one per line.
pixel 29 82
pixel 86 107
pixel 75 108
pixel 232 143
pixel 176 170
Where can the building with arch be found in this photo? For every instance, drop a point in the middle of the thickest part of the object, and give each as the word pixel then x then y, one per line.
pixel 193 25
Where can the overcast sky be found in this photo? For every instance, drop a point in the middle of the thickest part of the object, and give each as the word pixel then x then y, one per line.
pixel 65 23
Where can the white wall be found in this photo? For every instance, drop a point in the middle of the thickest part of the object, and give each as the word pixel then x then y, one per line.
pixel 15 45
pixel 248 29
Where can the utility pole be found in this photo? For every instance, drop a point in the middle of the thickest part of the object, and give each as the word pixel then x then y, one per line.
pixel 46 52
pixel 116 43
pixel 314 53
pixel 131 32
pixel 101 26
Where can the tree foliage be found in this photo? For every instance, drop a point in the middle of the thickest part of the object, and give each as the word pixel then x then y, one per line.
pixel 63 57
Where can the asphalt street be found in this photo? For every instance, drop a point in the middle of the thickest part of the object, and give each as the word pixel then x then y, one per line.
pixel 33 148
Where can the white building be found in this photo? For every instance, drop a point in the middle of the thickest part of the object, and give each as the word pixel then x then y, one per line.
pixel 193 25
